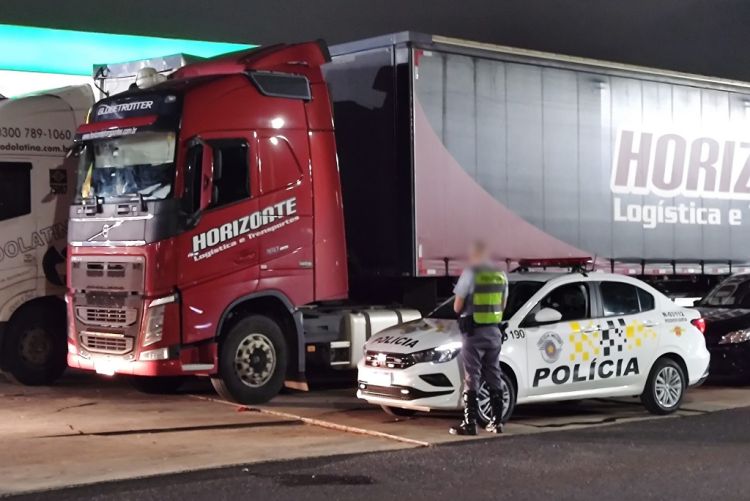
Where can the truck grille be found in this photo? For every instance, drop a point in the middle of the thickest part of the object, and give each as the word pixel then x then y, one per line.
pixel 107 317
pixel 117 344
pixel 389 360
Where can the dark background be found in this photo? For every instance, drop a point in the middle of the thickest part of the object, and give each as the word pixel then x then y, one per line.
pixel 699 36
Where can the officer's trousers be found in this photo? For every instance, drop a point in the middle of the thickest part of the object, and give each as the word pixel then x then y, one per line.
pixel 480 355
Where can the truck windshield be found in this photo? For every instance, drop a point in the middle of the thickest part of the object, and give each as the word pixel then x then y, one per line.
pixel 141 165
pixel 732 293
pixel 518 294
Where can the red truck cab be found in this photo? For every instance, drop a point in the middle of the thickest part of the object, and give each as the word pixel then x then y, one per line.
pixel 208 210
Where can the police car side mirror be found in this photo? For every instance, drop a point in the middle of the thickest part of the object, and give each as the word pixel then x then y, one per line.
pixel 547 316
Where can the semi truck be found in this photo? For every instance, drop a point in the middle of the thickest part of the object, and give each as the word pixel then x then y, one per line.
pixel 263 213
pixel 36 188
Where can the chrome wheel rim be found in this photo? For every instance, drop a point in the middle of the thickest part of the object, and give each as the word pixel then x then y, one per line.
pixel 35 347
pixel 668 387
pixel 483 399
pixel 255 360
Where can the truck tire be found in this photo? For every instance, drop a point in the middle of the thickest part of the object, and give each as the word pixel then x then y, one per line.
pixel 252 361
pixel 34 346
pixel 665 387
pixel 165 385
pixel 509 401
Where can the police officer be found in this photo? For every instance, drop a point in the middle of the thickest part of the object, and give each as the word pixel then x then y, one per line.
pixel 481 293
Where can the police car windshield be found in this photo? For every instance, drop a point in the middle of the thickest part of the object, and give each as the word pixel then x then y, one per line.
pixel 140 165
pixel 518 294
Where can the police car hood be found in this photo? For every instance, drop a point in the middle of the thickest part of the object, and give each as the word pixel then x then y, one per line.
pixel 414 336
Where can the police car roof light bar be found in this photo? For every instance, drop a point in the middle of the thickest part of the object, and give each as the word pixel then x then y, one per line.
pixel 576 264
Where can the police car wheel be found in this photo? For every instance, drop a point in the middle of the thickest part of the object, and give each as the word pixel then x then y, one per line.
pixel 397 411
pixel 665 387
pixel 509 401
pixel 252 361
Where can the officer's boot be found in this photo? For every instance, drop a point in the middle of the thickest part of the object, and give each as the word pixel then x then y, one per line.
pixel 469 425
pixel 496 403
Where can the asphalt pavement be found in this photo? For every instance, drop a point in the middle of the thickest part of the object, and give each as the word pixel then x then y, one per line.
pixel 697 457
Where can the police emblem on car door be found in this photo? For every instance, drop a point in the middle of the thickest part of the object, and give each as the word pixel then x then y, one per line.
pixel 560 330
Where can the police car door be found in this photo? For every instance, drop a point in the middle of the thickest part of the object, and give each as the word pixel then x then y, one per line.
pixel 627 336
pixel 560 345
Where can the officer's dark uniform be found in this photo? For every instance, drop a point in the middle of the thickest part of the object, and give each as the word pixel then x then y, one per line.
pixel 484 289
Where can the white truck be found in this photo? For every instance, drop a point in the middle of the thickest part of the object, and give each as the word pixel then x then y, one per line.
pixel 36 132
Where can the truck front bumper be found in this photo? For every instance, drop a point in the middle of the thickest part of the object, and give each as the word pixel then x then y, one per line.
pixel 172 362
pixel 109 365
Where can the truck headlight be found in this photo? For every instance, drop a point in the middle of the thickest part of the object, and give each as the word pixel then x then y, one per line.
pixel 443 353
pixel 154 330
pixel 735 337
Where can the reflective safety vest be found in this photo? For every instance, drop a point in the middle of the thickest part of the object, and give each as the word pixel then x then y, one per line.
pixel 487 299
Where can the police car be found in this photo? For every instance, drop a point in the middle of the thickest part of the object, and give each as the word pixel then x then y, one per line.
pixel 569 336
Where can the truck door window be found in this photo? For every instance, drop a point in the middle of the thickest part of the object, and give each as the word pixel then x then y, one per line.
pixel 191 202
pixel 619 298
pixel 15 189
pixel 571 300
pixel 231 172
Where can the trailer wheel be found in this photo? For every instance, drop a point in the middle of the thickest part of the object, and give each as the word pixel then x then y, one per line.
pixel 252 361
pixel 665 387
pixel 165 385
pixel 34 348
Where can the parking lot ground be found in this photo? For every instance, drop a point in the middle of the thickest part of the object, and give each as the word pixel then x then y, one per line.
pixel 90 429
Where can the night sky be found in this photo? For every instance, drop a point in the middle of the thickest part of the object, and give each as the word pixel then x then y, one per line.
pixel 710 37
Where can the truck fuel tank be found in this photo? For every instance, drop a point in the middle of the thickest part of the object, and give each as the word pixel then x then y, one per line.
pixel 342 332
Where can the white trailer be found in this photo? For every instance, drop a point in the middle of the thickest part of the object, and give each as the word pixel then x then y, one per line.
pixel 36 132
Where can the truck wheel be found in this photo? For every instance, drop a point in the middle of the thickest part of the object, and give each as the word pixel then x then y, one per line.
pixel 509 400
pixel 165 385
pixel 397 411
pixel 252 361
pixel 665 387
pixel 35 348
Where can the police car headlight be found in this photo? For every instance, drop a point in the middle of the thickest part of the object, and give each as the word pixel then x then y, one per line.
pixel 735 337
pixel 443 353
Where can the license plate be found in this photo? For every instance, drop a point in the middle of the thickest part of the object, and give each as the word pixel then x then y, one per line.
pixel 379 378
pixel 105 366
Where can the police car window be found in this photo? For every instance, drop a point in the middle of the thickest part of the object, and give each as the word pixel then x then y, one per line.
pixel 518 294
pixel 645 299
pixel 619 298
pixel 571 300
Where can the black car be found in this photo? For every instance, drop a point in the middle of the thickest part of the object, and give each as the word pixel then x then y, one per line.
pixel 726 311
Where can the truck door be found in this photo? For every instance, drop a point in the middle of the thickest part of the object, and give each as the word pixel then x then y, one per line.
pixel 628 333
pixel 286 244
pixel 17 227
pixel 221 251
pixel 560 350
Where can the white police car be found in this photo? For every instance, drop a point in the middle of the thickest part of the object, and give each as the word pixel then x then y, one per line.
pixel 569 336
